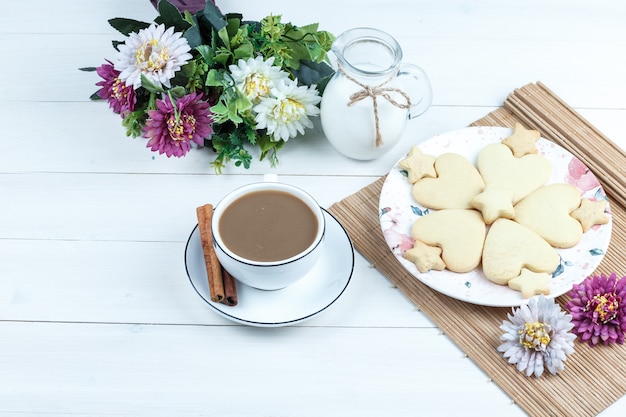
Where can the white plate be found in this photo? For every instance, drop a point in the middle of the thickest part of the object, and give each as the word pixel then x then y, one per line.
pixel 310 296
pixel 398 210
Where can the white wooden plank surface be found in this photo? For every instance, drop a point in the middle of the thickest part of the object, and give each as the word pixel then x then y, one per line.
pixel 97 317
pixel 149 370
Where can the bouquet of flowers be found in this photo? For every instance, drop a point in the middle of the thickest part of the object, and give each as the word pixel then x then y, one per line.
pixel 213 80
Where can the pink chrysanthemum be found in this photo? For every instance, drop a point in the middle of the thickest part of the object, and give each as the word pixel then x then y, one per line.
pixel 121 98
pixel 172 127
pixel 598 308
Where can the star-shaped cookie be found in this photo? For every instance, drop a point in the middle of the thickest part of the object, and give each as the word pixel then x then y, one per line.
pixel 425 257
pixel 590 213
pixel 494 203
pixel 418 165
pixel 522 141
pixel 531 283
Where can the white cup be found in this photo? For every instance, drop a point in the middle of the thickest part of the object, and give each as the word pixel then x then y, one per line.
pixel 268 275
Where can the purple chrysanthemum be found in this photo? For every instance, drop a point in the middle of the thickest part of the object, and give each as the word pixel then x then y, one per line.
pixel 121 98
pixel 192 6
pixel 172 127
pixel 598 308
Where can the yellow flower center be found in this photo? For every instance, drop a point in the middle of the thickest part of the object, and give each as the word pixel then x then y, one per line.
pixel 605 306
pixel 289 110
pixel 535 335
pixel 176 126
pixel 256 85
pixel 151 55
pixel 119 92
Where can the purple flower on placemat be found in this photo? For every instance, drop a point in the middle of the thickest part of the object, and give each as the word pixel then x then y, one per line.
pixel 537 336
pixel 173 126
pixel 598 308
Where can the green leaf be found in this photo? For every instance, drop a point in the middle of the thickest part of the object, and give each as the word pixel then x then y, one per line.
pixel 270 147
pixel 311 72
pixel 214 78
pixel 222 56
pixel 150 85
pixel 241 103
pixel 188 70
pixel 224 112
pixel 116 44
pixel 224 36
pixel 243 51
pixel 95 96
pixel 134 123
pixel 213 15
pixel 193 36
pixel 229 146
pixel 178 92
pixel 171 17
pixel 219 108
pixel 303 30
pixel 297 53
pixel 206 52
pixel 325 39
pixel 87 69
pixel 127 26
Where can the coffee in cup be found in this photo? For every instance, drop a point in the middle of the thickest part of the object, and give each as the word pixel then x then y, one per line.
pixel 268 235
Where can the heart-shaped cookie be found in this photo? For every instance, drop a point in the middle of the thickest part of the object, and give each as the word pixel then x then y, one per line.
pixel 510 246
pixel 459 233
pixel 500 169
pixel 547 210
pixel 457 182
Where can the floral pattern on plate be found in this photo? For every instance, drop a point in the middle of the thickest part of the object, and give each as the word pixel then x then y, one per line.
pixel 398 211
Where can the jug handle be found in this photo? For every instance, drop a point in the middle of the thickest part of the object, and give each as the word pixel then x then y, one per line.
pixel 421 92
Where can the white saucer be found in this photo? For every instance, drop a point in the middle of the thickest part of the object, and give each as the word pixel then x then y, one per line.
pixel 314 293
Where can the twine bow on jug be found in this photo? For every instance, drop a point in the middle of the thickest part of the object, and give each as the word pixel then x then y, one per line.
pixel 374 92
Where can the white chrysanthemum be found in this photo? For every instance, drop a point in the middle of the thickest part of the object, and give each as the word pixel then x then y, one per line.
pixel 537 336
pixel 286 112
pixel 255 77
pixel 154 52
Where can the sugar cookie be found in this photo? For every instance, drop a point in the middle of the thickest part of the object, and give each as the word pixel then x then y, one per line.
pixel 590 213
pixel 459 233
pixel 500 169
pixel 494 203
pixel 418 165
pixel 425 257
pixel 547 210
pixel 531 283
pixel 510 246
pixel 456 184
pixel 522 141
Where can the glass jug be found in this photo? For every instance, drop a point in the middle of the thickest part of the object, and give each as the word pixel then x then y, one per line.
pixel 366 104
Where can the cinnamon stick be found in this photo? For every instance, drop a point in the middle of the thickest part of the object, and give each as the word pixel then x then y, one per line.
pixel 213 267
pixel 230 289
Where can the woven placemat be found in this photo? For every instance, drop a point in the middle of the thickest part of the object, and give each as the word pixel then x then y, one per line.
pixel 593 378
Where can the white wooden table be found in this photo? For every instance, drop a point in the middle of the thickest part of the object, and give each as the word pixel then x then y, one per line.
pixel 97 317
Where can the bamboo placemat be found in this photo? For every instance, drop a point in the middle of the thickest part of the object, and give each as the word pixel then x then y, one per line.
pixel 593 378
